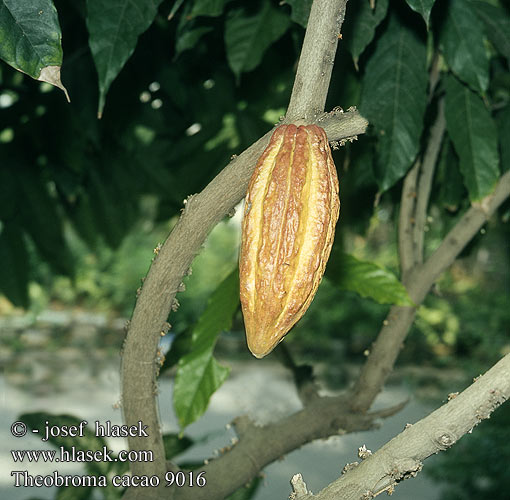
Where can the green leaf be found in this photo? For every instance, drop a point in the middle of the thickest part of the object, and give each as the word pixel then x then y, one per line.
pixel 474 137
pixel 462 41
pixel 175 445
pixel 497 26
pixel 14 265
pixel 114 28
pixel 300 11
pixel 451 182
pixel 30 39
pixel 111 218
pixel 367 279
pixel 394 99
pixel 40 218
pixel 189 38
pixel 360 24
pixel 247 37
pixel 423 7
pixel 199 375
pixel 211 8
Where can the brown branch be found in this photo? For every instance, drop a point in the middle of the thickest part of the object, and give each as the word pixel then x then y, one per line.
pixel 258 446
pixel 202 212
pixel 401 458
pixel 396 326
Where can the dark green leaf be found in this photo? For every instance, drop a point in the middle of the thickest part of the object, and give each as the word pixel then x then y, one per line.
pixel 210 8
pixel 30 39
pixel 360 24
pixel 41 220
pixel 247 37
pixel 114 28
pixel 199 375
pixel 462 40
pixel 300 11
pixel 175 445
pixel 474 137
pixel 367 279
pixel 394 100
pixel 497 26
pixel 14 265
pixel 111 209
pixel 452 190
pixel 189 38
pixel 423 7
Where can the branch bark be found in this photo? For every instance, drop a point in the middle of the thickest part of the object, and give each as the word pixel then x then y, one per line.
pixel 401 458
pixel 425 181
pixel 316 60
pixel 406 221
pixel 258 446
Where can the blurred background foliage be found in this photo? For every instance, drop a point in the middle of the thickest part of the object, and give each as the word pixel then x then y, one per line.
pixel 85 201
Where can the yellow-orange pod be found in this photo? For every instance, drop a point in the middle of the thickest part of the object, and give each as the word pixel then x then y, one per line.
pixel 290 213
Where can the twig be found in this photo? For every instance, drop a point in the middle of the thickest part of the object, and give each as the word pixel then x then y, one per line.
pixel 402 457
pixel 299 488
pixel 406 221
pixel 415 198
pixel 425 181
pixel 396 326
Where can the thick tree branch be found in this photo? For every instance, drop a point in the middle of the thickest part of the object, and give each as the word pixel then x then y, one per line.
pixel 402 457
pixel 202 212
pixel 396 326
pixel 258 446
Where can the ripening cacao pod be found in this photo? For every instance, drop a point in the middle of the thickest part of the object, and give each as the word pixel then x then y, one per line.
pixel 290 214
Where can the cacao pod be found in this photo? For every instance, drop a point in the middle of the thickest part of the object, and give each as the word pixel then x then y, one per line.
pixel 290 213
